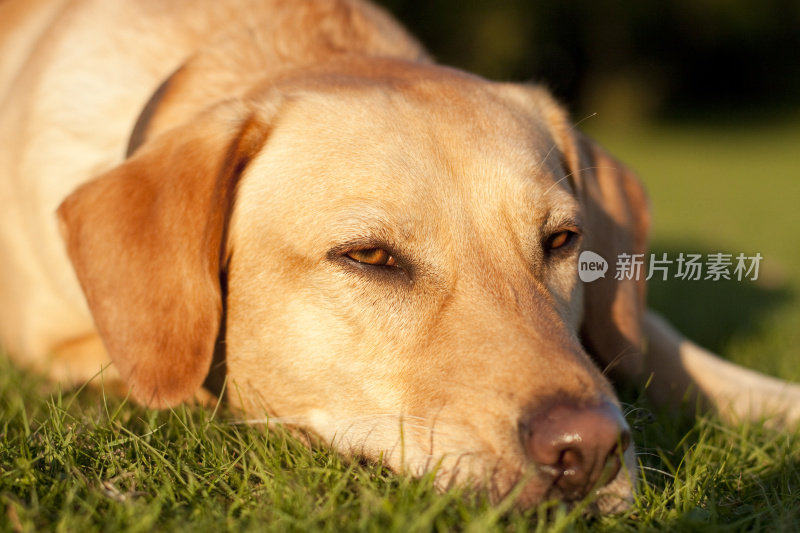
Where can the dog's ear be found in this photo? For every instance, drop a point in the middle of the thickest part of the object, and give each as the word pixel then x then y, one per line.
pixel 147 241
pixel 616 222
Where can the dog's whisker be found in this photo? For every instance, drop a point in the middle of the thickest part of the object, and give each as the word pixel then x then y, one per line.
pixel 581 121
pixel 359 422
pixel 615 361
pixel 289 421
pixel 572 173
pixel 388 415
pixel 554 146
pixel 657 471
pixel 646 453
pixel 304 419
pixel 566 176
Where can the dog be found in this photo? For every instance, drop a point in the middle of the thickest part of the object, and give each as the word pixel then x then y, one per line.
pixel 293 197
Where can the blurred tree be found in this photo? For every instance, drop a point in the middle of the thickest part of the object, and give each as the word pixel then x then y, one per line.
pixel 633 59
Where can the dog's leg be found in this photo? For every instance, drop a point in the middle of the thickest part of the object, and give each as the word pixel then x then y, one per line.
pixel 736 393
pixel 84 360
pixel 81 359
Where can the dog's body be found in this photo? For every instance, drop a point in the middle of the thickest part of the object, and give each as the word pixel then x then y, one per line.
pixel 394 243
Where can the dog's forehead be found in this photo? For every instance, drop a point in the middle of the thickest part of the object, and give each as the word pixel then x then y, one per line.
pixel 458 112
pixel 424 125
pixel 407 154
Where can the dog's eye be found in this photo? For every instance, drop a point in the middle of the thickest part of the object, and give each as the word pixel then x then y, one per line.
pixel 372 256
pixel 559 240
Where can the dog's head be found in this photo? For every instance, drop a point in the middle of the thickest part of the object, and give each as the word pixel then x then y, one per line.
pixel 396 250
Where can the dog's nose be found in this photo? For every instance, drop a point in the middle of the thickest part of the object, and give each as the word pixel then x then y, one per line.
pixel 579 447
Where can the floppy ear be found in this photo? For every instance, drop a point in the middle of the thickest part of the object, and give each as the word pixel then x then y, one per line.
pixel 147 241
pixel 616 221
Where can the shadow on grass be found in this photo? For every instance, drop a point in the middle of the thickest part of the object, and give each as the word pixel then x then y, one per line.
pixel 710 312
pixel 698 472
pixel 764 496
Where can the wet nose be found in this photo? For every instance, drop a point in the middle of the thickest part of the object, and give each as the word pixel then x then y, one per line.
pixel 577 446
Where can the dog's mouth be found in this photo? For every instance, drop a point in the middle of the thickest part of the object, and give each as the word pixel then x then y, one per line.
pixel 548 460
pixel 611 492
pixel 525 485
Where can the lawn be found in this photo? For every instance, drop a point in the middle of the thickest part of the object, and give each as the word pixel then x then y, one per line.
pixel 731 188
pixel 79 461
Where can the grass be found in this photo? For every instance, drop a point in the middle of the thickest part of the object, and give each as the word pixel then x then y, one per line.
pixel 734 189
pixel 79 461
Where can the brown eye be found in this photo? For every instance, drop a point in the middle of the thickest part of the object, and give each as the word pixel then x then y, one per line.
pixel 372 256
pixel 560 239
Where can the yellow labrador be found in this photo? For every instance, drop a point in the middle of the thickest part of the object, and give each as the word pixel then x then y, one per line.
pixel 378 249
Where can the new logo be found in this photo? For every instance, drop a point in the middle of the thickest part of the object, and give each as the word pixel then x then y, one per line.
pixel 591 266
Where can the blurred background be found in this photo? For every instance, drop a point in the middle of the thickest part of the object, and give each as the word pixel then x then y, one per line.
pixel 702 99
pixel 641 60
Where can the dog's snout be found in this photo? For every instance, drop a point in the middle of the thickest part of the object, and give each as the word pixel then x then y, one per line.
pixel 579 447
